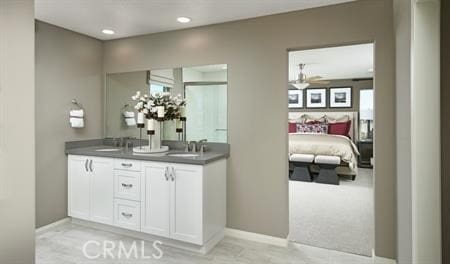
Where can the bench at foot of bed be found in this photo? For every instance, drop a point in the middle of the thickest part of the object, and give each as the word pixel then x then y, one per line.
pixel 299 164
pixel 328 165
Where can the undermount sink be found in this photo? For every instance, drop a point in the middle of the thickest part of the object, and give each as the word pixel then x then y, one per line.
pixel 183 155
pixel 108 149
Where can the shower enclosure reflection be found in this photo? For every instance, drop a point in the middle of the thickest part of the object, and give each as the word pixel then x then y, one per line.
pixel 206 111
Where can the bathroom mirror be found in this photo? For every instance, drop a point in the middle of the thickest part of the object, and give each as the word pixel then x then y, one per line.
pixel 205 90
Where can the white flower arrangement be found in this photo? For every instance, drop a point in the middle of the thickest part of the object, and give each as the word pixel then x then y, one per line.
pixel 149 105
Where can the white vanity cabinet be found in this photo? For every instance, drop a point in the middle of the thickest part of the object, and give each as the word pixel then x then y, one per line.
pixel 155 216
pixel 173 198
pixel 182 202
pixel 90 188
pixel 186 203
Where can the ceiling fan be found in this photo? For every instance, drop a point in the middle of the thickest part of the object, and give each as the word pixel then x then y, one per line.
pixel 303 81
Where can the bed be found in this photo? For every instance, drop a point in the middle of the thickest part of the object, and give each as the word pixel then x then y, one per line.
pixel 323 144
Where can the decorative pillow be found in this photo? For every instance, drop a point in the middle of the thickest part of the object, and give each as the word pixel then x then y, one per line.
pixel 319 128
pixel 341 119
pixel 292 127
pixel 340 128
pixel 310 119
pixel 300 119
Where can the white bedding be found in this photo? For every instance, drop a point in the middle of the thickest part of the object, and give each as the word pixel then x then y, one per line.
pixel 324 144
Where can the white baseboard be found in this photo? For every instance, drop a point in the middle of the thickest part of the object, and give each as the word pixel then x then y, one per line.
pixel 381 260
pixel 48 227
pixel 282 242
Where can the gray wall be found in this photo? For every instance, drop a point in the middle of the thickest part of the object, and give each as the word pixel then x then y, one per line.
pixel 256 53
pixel 68 66
pixel 119 89
pixel 17 165
pixel 356 85
pixel 445 127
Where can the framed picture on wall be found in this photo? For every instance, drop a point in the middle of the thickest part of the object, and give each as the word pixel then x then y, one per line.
pixel 295 98
pixel 316 98
pixel 340 97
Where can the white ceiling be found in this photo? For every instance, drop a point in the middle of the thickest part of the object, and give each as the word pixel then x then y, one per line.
pixel 346 62
pixel 137 17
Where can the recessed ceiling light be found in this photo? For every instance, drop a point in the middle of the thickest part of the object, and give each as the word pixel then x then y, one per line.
pixel 108 31
pixel 184 19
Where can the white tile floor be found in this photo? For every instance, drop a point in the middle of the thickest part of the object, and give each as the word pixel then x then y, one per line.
pixel 63 245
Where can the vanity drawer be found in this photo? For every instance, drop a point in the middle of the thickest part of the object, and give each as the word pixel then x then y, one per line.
pixel 127 214
pixel 127 185
pixel 132 165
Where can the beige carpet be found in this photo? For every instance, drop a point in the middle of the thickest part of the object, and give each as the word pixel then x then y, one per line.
pixel 338 217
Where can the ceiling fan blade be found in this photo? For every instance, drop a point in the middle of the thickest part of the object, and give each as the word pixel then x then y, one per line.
pixel 319 82
pixel 300 86
pixel 312 78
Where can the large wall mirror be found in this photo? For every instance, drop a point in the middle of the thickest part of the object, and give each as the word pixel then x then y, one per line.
pixel 205 90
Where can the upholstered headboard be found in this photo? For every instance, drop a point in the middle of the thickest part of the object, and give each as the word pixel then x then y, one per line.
pixel 353 116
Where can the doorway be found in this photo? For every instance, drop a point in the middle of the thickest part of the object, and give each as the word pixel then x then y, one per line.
pixel 331 138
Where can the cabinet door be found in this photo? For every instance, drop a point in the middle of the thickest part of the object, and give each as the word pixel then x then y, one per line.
pixel 155 199
pixel 187 203
pixel 78 187
pixel 102 190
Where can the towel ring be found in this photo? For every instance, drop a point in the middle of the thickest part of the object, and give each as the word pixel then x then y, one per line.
pixel 126 107
pixel 75 102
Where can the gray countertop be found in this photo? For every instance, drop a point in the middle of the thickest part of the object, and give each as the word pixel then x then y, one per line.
pixel 90 148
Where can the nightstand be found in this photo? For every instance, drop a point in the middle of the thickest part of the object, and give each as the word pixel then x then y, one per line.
pixel 365 148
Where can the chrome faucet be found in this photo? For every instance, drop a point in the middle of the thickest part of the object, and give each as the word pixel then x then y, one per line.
pixel 122 141
pixel 129 142
pixel 203 145
pixel 193 146
pixel 186 146
pixel 115 142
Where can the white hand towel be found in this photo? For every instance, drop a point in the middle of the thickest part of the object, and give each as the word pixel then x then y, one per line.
pixel 130 122
pixel 77 122
pixel 129 118
pixel 77 113
pixel 128 114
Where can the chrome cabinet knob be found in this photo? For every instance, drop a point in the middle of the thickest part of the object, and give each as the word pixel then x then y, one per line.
pixel 173 174
pixel 166 171
pixel 127 165
pixel 127 215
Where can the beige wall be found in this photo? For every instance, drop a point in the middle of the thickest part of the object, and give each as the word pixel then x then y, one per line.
pixel 357 86
pixel 426 158
pixel 256 53
pixel 402 11
pixel 68 66
pixel 17 164
pixel 445 127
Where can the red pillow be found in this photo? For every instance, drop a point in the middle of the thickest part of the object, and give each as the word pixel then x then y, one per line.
pixel 292 128
pixel 341 128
